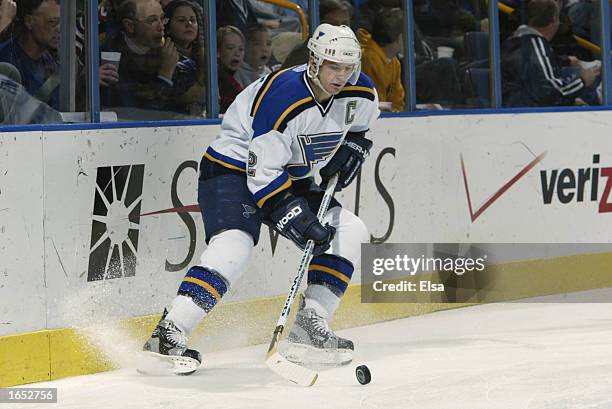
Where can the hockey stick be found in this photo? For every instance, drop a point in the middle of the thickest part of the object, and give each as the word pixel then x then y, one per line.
pixel 275 361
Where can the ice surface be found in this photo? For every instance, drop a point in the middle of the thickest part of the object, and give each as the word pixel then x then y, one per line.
pixel 532 356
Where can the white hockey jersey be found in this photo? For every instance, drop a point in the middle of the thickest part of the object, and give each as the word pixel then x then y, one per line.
pixel 276 131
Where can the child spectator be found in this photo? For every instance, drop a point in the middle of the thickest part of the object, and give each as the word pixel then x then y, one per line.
pixel 230 52
pixel 258 53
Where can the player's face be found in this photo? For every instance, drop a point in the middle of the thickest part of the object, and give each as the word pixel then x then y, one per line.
pixel 259 49
pixel 184 25
pixel 231 52
pixel 333 76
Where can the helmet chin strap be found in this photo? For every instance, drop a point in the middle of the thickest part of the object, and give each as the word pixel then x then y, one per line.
pixel 314 76
pixel 318 84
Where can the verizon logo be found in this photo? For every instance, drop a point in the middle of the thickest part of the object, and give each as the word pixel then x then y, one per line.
pixel 578 185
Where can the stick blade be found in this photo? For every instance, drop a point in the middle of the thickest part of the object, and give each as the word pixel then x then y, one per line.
pixel 290 371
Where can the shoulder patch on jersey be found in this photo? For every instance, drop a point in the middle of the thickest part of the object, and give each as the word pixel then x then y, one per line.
pixel 284 95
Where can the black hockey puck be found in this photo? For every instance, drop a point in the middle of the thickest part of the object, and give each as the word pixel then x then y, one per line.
pixel 363 374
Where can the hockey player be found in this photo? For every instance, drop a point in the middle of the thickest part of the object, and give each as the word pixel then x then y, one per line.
pixel 275 135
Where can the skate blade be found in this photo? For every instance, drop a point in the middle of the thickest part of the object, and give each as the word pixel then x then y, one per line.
pixel 312 357
pixel 152 363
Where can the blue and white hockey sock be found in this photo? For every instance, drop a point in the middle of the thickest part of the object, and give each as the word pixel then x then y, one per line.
pixel 328 278
pixel 199 292
pixel 185 314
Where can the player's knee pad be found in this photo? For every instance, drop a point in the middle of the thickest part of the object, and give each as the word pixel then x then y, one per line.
pixel 228 253
pixel 351 231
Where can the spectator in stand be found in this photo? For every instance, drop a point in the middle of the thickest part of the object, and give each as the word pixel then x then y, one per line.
pixel 17 107
pixel 437 79
pixel 230 52
pixel 447 18
pixel 379 60
pixel 33 49
pixel 184 27
pixel 532 72
pixel 109 24
pixel 150 74
pixel 582 14
pixel 235 13
pixel 278 19
pixel 8 9
pixel 334 12
pixel 445 22
pixel 258 53
pixel 370 8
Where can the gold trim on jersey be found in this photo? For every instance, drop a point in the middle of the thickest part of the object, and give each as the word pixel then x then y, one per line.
pixel 220 162
pixel 288 111
pixel 266 88
pixel 282 187
pixel 358 88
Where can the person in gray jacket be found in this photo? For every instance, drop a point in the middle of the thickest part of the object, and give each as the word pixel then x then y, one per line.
pixel 17 106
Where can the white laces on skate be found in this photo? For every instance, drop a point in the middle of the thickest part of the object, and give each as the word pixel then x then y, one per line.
pixel 173 334
pixel 320 325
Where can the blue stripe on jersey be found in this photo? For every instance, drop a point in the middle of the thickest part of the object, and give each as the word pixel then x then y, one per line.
pixel 204 286
pixel 284 92
pixel 223 160
pixel 280 183
pixel 332 271
pixel 298 171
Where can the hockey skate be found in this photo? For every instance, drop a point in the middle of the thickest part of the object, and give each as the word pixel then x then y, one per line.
pixel 312 343
pixel 166 352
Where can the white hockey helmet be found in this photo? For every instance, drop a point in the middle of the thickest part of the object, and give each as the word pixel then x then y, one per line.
pixel 335 43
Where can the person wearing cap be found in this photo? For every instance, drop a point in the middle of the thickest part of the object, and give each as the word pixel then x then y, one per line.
pixel 275 136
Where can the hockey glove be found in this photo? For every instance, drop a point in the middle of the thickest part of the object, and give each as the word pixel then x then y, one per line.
pixel 347 161
pixel 293 219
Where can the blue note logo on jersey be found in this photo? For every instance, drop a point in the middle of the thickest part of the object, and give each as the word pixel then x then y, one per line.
pixel 248 210
pixel 315 148
pixel 252 163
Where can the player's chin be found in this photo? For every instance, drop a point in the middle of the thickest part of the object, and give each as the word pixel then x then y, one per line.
pixel 335 88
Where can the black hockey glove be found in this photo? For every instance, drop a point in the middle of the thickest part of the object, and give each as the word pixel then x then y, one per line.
pixel 347 161
pixel 293 219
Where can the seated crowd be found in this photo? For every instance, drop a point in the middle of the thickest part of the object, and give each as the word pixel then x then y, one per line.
pixel 154 53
